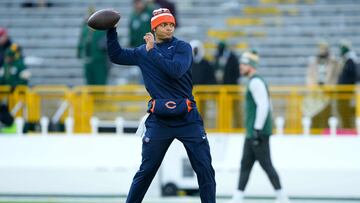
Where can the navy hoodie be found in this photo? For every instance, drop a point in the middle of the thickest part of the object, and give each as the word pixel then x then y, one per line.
pixel 165 68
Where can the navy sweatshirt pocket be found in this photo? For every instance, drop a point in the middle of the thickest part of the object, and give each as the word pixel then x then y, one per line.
pixel 170 107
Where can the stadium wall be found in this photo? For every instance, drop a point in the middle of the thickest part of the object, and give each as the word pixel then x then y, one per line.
pixel 309 166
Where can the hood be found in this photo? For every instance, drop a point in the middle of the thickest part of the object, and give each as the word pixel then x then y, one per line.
pixel 198 50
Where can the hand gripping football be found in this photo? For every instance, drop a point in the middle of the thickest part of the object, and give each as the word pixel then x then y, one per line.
pixel 103 19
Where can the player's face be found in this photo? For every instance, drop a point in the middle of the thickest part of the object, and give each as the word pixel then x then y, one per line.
pixel 244 69
pixel 165 31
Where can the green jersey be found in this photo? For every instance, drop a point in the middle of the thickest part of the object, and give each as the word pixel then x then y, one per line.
pixel 13 67
pixel 258 110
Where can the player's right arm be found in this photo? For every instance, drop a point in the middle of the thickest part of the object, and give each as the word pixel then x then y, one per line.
pixel 116 53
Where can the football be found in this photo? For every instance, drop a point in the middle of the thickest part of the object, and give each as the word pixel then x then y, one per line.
pixel 103 19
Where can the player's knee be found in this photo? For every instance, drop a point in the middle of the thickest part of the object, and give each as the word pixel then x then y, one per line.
pixel 245 171
pixel 149 169
pixel 245 167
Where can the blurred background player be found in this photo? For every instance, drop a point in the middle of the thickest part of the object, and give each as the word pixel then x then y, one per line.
pixel 13 73
pixel 12 67
pixel 6 120
pixel 226 65
pixel 92 50
pixel 348 76
pixel 227 73
pixel 165 65
pixel 5 44
pixel 258 129
pixel 323 69
pixel 202 71
pixel 139 23
pixel 349 62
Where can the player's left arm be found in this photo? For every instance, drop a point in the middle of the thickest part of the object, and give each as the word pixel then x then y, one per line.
pixel 262 100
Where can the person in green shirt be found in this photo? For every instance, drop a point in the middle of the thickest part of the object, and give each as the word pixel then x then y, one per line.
pixel 93 51
pixel 13 73
pixel 139 23
pixel 13 70
pixel 258 129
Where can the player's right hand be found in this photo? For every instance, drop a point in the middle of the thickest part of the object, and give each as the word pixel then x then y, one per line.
pixel 150 40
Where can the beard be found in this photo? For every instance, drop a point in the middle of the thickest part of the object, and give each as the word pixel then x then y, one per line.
pixel 323 55
pixel 245 73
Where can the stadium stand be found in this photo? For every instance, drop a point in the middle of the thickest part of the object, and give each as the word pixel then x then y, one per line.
pixel 284 32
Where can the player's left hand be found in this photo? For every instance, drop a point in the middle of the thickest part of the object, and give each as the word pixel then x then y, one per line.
pixel 150 40
pixel 256 137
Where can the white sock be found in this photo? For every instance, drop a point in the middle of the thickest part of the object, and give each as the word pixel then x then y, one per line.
pixel 280 195
pixel 238 195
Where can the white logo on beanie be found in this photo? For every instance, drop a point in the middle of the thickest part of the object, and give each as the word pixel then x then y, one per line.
pixel 161 15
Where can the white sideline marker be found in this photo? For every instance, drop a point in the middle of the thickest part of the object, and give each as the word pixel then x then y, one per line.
pixel 44 124
pixel 333 122
pixel 19 122
pixel 94 122
pixel 69 125
pixel 306 123
pixel 280 123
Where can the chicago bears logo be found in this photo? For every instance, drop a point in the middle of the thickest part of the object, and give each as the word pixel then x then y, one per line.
pixel 170 105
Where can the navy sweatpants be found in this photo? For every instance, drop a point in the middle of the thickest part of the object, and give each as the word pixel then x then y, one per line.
pixel 156 142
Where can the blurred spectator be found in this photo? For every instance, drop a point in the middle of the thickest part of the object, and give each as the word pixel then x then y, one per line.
pixel 6 120
pixel 226 65
pixel 36 3
pixel 4 44
pixel 349 62
pixel 348 76
pixel 202 71
pixel 140 22
pixel 322 69
pixel 227 72
pixel 93 51
pixel 12 70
